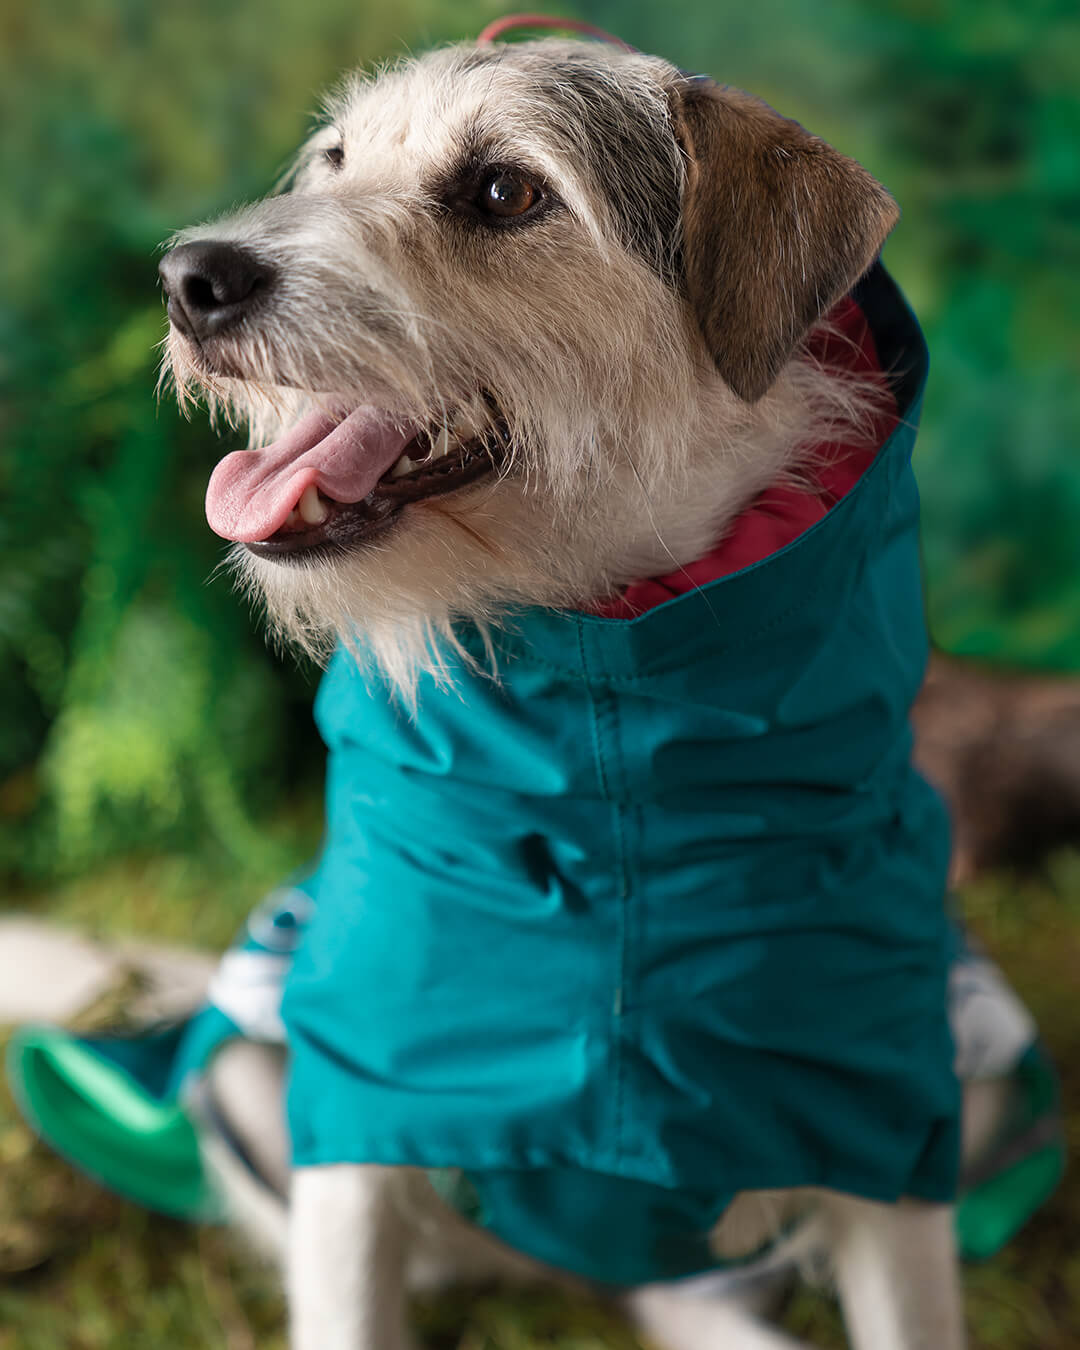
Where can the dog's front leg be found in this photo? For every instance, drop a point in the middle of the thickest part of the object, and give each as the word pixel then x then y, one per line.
pixel 346 1259
pixel 897 1274
pixel 678 1321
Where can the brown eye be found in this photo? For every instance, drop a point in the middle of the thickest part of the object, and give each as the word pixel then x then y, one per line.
pixel 507 194
pixel 335 156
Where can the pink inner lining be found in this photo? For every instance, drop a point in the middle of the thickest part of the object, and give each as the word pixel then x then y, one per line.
pixel 782 512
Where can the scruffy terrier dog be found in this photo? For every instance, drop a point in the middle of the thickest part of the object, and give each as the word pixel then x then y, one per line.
pixel 529 327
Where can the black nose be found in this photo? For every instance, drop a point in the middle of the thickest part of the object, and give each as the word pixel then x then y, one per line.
pixel 211 286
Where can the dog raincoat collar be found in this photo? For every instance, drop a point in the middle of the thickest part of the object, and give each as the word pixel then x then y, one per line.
pixel 656 918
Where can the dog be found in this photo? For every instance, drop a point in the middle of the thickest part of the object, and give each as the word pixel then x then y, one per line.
pixel 528 327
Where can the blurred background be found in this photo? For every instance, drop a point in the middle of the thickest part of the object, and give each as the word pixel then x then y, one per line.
pixel 158 768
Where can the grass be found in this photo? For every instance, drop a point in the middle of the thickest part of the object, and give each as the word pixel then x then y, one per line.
pixel 80 1270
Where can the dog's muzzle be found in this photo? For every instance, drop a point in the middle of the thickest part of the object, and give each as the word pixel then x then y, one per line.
pixel 345 471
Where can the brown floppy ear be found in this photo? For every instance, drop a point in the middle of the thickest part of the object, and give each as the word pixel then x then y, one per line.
pixel 776 227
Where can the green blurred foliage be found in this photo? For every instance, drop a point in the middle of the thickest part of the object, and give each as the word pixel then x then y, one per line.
pixel 139 705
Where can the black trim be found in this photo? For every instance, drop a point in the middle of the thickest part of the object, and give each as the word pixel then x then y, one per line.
pixel 900 344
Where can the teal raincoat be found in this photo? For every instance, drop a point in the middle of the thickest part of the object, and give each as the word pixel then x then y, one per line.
pixel 656 917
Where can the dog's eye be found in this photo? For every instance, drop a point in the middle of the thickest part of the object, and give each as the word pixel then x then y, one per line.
pixel 506 193
pixel 497 197
pixel 335 156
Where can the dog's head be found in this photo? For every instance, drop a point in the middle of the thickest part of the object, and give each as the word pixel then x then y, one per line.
pixel 524 324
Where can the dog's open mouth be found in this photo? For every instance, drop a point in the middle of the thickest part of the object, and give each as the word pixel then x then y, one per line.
pixel 332 483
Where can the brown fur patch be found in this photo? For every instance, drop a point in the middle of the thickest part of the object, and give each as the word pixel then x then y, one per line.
pixel 777 226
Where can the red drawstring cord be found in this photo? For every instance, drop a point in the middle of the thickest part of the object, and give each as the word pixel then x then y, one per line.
pixel 510 22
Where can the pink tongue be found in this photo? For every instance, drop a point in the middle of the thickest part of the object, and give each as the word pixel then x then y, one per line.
pixel 251 492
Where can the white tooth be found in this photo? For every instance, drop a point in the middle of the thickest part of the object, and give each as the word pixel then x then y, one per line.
pixel 471 417
pixel 311 507
pixel 402 467
pixel 441 446
pixel 468 421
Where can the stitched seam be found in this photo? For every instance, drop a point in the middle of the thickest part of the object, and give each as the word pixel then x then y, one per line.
pixel 622 863
pixel 604 706
pixel 594 721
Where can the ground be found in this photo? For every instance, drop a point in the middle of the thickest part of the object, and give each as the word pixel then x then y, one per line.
pixel 82 1271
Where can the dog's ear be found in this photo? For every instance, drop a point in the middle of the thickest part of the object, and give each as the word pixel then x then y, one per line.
pixel 776 227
